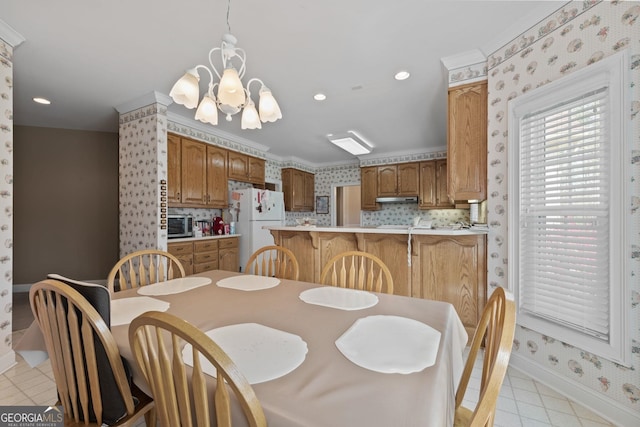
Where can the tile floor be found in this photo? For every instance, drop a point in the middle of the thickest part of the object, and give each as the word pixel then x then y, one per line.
pixel 523 402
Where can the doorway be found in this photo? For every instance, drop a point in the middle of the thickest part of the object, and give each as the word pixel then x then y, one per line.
pixel 345 206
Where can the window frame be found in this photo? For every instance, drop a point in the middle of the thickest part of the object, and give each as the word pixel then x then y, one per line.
pixel 612 72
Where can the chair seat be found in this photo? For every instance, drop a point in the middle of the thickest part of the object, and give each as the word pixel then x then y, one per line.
pixel 144 405
pixel 463 417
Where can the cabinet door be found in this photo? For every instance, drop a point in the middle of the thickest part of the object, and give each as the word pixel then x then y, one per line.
pixel 452 269
pixel 388 181
pixel 194 173
pixel 309 192
pixel 217 192
pixel 467 142
pixel 229 260
pixel 408 179
pixel 174 179
pixel 184 253
pixel 427 198
pixel 369 188
pixel 442 196
pixel 238 167
pixel 256 170
pixel 298 186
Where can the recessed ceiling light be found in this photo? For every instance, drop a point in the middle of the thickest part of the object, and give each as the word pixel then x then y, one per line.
pixel 44 101
pixel 319 97
pixel 402 75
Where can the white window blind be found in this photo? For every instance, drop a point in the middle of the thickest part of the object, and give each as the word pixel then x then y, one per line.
pixel 568 188
pixel 564 213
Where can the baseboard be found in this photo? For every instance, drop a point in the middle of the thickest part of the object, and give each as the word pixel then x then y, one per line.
pixel 7 361
pixel 598 403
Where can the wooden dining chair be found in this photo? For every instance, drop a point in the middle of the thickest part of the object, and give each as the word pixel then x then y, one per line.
pixel 142 268
pixel 93 385
pixel 157 340
pixel 357 270
pixel 495 329
pixel 273 261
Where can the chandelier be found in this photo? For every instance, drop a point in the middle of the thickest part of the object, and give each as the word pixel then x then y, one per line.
pixel 227 94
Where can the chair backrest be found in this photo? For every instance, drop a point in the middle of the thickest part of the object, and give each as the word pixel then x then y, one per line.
pixel 496 330
pixel 157 340
pixel 273 261
pixel 357 270
pixel 142 268
pixel 90 377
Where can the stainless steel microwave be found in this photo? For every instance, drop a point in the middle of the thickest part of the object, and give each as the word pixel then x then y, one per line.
pixel 180 226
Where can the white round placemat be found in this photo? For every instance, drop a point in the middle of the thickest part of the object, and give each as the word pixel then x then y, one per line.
pixel 261 353
pixel 124 310
pixel 248 282
pixel 340 298
pixel 174 286
pixel 390 344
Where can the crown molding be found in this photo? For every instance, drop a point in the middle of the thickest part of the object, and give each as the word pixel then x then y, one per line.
pixel 210 130
pixel 143 101
pixel 9 35
pixel 463 59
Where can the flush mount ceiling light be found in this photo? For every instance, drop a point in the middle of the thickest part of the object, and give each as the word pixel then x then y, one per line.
pixel 231 97
pixel 351 142
pixel 319 97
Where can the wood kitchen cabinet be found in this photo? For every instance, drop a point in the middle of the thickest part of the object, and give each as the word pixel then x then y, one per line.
pixel 467 142
pixel 244 168
pixel 433 185
pixel 174 169
pixel 369 188
pixel 196 174
pixel 401 179
pixel 452 269
pixel 299 190
pixel 207 254
pixel 184 252
pixel 228 257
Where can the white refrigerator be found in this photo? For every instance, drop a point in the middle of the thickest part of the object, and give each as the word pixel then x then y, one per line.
pixel 256 209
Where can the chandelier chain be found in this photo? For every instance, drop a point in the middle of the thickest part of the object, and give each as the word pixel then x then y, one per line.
pixel 228 10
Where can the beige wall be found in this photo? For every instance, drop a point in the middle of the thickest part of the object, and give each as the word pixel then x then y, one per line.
pixel 65 203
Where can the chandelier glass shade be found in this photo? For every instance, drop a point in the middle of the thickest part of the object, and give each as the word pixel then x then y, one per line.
pixel 227 94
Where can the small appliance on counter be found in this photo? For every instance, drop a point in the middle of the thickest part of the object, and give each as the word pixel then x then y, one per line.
pixel 180 226
pixel 218 226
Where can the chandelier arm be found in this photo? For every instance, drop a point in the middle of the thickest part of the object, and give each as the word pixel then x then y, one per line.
pixel 255 79
pixel 243 58
pixel 213 66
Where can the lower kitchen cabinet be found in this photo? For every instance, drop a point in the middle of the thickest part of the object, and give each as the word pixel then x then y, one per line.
pixel 207 254
pixel 452 269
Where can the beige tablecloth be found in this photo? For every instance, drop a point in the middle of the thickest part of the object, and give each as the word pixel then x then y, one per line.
pixel 328 390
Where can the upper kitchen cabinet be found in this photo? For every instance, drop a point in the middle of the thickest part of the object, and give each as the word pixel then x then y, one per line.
pixel 174 169
pixel 433 185
pixel 196 174
pixel 369 188
pixel 217 191
pixel 299 190
pixel 401 179
pixel 467 142
pixel 244 168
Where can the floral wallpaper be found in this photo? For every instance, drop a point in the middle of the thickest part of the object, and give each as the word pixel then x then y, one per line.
pixel 6 195
pixel 142 169
pixel 578 34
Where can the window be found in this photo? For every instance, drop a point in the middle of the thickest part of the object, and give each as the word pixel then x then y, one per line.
pixel 567 241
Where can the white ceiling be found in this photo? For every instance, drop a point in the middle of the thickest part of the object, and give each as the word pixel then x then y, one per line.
pixel 88 57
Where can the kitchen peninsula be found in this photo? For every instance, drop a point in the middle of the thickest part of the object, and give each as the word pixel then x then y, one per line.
pixel 439 264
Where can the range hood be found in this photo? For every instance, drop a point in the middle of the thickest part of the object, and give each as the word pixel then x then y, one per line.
pixel 413 199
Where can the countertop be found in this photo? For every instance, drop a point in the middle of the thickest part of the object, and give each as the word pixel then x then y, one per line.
pixel 384 229
pixel 196 239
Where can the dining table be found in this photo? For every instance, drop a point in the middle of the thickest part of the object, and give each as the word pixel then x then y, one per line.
pixel 317 355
